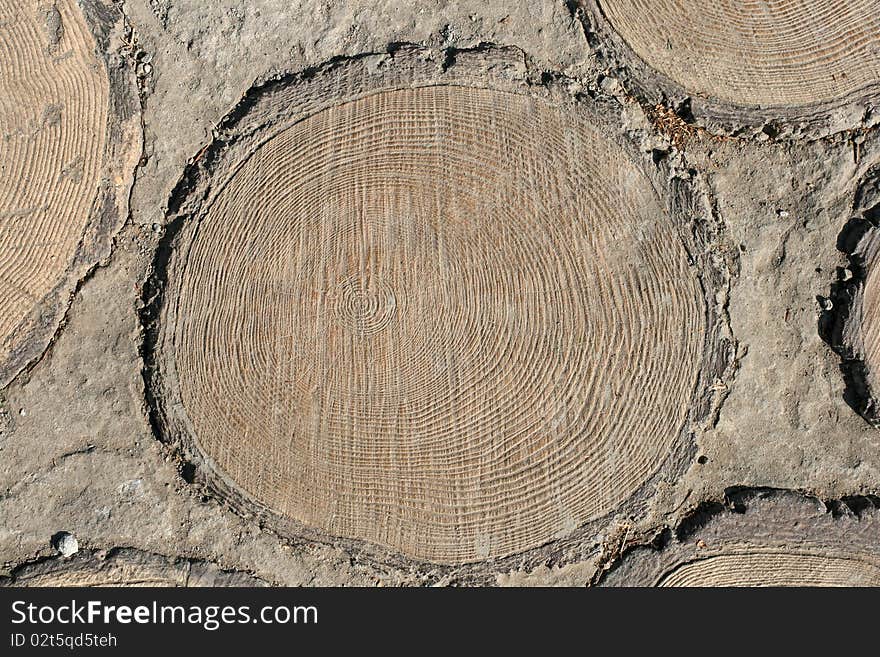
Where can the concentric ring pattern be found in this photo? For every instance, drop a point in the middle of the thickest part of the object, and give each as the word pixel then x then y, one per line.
pixel 756 53
pixel 450 321
pixel 773 569
pixel 54 103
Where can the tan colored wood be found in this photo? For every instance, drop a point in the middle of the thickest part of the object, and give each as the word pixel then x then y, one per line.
pixel 769 568
pixel 769 53
pixel 446 320
pixel 54 95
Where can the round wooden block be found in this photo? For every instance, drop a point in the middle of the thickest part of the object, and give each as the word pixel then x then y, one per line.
pixel 452 321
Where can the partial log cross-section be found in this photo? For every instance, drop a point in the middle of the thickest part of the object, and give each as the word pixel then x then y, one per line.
pixel 777 53
pixel 851 322
pixel 771 568
pixel 451 321
pixel 867 334
pixel 772 539
pixel 68 146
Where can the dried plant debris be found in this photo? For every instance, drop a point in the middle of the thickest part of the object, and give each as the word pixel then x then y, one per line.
pixel 124 567
pixel 69 142
pixel 426 307
pixel 764 538
pixel 811 65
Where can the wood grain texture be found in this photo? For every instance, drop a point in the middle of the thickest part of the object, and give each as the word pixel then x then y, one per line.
pixel 770 568
pixel 449 321
pixel 765 538
pixel 61 188
pixel 776 53
pixel 124 568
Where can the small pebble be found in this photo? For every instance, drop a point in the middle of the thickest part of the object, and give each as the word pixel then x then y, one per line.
pixel 65 543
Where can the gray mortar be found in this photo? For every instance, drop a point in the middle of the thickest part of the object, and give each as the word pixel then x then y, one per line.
pixel 54 27
pixel 124 566
pixel 70 458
